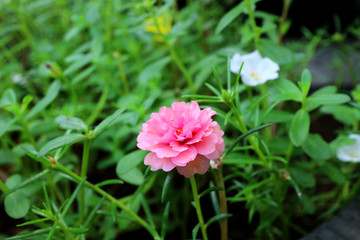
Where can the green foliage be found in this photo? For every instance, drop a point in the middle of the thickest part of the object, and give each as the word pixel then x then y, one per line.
pixel 70 69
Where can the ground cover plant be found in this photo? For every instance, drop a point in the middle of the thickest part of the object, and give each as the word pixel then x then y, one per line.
pixel 172 120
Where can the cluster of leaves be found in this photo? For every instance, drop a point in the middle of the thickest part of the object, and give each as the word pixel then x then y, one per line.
pixel 78 78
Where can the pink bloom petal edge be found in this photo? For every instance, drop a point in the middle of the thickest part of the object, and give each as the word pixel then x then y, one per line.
pixel 182 136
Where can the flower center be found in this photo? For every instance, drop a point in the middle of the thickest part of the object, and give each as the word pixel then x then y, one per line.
pixel 256 76
pixel 354 154
pixel 179 131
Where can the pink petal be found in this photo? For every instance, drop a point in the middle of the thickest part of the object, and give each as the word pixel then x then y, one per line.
pixel 183 158
pixel 207 145
pixel 165 151
pixel 196 138
pixel 199 165
pixel 218 151
pixel 158 163
pixel 178 147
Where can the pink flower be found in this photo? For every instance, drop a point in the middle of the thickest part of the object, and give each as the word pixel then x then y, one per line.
pixel 183 136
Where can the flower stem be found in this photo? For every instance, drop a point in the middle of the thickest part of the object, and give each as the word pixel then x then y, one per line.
pixel 74 97
pixel 223 203
pixel 181 66
pixel 253 24
pixel 198 207
pixel 284 15
pixel 84 167
pixel 174 55
pixel 100 104
pixel 251 138
pixel 123 78
pixel 118 203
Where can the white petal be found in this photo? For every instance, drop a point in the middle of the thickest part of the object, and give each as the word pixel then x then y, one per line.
pixel 350 152
pixel 235 63
pixel 250 62
pixel 249 80
pixel 268 69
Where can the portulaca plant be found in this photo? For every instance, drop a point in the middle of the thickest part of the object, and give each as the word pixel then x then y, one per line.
pixel 163 120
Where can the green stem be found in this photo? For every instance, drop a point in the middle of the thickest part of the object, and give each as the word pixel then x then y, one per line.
pixel 223 203
pixel 174 55
pixel 118 203
pixel 99 105
pixel 284 14
pixel 124 80
pixel 198 207
pixel 64 228
pixel 84 167
pixel 74 97
pixel 251 138
pixel 26 130
pixel 24 27
pixel 253 24
pixel 182 68
pixel 265 105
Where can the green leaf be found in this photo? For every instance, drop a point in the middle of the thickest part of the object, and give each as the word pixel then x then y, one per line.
pixel 107 122
pixel 67 206
pixel 211 189
pixel 165 220
pixel 218 218
pixel 33 222
pixel 30 235
pixel 229 17
pixel 286 86
pixel 278 53
pixel 124 219
pixel 134 176
pixel 72 123
pixel 299 127
pixel 6 157
pixel 195 231
pixel 301 177
pixel 83 74
pixel 308 204
pixel 81 62
pixel 325 90
pixel 278 116
pixel 61 142
pixel 5 126
pixel 93 212
pixel 153 70
pixel 334 173
pixel 216 76
pixel 17 204
pixel 50 96
pixel 286 96
pixel 344 114
pixel 25 102
pixel 316 148
pixel 166 186
pixel 305 82
pixel 243 136
pixel 325 99
pixel 8 98
pixel 78 230
pixel 26 182
pixel 130 161
pixel 109 182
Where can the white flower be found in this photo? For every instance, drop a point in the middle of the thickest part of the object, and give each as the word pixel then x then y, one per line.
pixel 17 78
pixel 256 70
pixel 350 153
